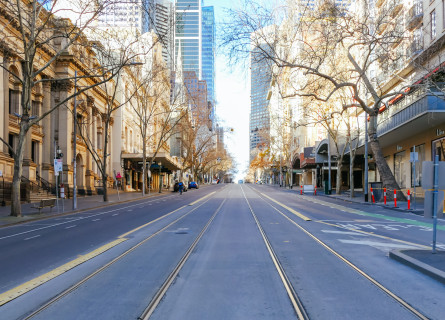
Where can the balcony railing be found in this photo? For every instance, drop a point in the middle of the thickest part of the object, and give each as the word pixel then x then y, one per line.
pixel 413 105
pixel 415 47
pixel 415 15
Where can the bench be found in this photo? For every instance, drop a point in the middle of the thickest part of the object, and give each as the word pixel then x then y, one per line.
pixel 44 204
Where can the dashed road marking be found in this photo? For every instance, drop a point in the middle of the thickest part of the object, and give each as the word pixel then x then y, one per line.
pixel 69 227
pixel 32 237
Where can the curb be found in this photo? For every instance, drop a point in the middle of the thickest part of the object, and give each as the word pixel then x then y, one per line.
pixel 434 273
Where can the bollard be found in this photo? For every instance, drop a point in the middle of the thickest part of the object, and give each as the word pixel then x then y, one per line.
pixel 409 201
pixel 315 190
pixel 301 189
pixel 395 198
pixel 372 196
pixel 384 195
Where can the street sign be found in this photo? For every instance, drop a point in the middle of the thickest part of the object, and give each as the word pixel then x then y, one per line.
pixel 413 156
pixel 58 165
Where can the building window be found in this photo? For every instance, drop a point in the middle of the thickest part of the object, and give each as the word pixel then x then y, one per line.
pixel 11 143
pixel 433 24
pixel 438 148
pixel 35 108
pixel 417 178
pixel 400 169
pixel 14 101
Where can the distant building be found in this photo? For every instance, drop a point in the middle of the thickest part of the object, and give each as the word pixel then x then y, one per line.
pixel 208 52
pixel 259 125
pixel 188 34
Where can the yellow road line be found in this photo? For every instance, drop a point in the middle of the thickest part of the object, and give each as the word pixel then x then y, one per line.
pixel 200 199
pixel 288 208
pixel 147 224
pixel 34 283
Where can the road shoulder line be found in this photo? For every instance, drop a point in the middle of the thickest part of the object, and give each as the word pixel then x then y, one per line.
pixel 301 216
pixel 34 283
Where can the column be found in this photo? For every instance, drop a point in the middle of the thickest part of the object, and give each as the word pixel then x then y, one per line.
pixel 48 139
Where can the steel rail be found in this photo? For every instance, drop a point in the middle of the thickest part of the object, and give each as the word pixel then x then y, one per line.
pixel 106 266
pixel 146 314
pixel 389 293
pixel 292 294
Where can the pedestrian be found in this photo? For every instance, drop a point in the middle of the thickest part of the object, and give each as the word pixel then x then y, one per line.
pixel 181 187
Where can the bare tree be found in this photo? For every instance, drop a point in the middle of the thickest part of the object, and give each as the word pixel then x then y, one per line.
pixel 309 40
pixel 34 41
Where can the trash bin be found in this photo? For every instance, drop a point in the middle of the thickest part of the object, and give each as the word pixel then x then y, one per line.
pixel 377 189
pixel 326 187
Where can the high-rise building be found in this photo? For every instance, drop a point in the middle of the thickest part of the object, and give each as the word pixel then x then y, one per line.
pixel 188 34
pixel 158 17
pixel 208 51
pixel 261 76
pixel 127 15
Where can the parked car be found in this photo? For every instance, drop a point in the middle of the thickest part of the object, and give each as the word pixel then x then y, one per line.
pixel 176 187
pixel 193 184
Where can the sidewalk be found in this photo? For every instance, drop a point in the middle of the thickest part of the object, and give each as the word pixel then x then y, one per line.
pixel 424 261
pixel 83 203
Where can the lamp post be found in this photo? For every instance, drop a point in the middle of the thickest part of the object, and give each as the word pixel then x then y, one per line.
pixel 160 180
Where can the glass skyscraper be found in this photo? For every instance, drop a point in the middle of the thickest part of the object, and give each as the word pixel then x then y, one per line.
pixel 208 51
pixel 188 34
pixel 259 86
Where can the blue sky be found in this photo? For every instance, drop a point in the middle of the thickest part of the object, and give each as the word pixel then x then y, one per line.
pixel 233 98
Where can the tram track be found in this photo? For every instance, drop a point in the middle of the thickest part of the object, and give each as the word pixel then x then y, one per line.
pixel 362 273
pixel 292 294
pixel 157 297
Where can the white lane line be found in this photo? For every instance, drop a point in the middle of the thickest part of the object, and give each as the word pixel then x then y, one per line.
pixel 378 245
pixel 69 227
pixel 116 214
pixel 74 219
pixel 32 237
pixel 344 232
pixel 94 220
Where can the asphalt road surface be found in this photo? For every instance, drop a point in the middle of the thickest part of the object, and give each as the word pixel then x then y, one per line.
pixel 220 252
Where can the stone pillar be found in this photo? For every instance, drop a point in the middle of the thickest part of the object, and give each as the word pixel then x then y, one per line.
pixel 48 139
pixel 64 127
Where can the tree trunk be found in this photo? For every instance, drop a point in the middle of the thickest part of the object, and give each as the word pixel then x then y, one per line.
pixel 144 167
pixel 388 179
pixel 338 178
pixel 16 207
pixel 351 172
pixel 104 163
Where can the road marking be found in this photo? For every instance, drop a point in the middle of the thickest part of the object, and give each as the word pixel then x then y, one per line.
pixel 201 199
pixel 344 232
pixel 32 237
pixel 288 208
pixel 374 215
pixel 34 283
pixel 69 227
pixel 116 214
pixel 73 219
pixel 95 220
pixel 378 245
pixel 147 224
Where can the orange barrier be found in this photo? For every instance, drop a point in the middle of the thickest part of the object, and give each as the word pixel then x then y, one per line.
pixel 372 196
pixel 395 198
pixel 409 200
pixel 301 189
pixel 384 195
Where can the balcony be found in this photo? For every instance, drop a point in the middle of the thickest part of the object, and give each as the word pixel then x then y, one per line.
pixel 415 47
pixel 414 16
pixel 419 104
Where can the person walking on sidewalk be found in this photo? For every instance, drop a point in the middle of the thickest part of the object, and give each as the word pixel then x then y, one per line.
pixel 181 187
